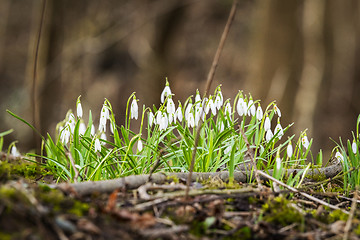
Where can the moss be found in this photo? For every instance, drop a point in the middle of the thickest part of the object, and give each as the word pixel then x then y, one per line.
pixel 79 208
pixel 20 168
pixel 5 236
pixel 243 233
pixel 337 215
pixel 279 211
pixel 357 230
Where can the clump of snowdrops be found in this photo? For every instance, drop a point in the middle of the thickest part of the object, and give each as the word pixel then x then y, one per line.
pixel 165 139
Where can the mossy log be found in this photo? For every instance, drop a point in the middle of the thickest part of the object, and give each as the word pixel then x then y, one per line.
pixel 135 181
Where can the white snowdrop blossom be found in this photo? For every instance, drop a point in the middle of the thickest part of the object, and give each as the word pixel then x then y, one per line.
pixel 82 128
pixel 151 118
pixel 289 150
pixel 205 102
pixel 219 100
pixel 163 122
pixel 339 157
pixel 170 106
pixel 190 120
pixel 267 124
pixel 279 131
pixel 212 106
pixel 65 135
pixel 277 110
pixel 354 147
pixel 112 126
pixel 134 109
pixel 178 114
pixel 104 115
pixel 103 137
pixel 71 122
pixel 158 117
pixel 259 113
pixel 197 97
pixel 305 141
pixel 228 109
pixel 97 145
pixel 140 145
pixel 278 163
pixel 187 111
pixel 221 126
pixel 14 151
pixel 269 135
pixel 241 107
pixel 171 118
pixel 166 92
pixel 198 113
pixel 251 108
pixel 79 110
pixel 92 130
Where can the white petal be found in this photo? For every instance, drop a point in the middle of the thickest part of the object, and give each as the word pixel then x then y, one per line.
pixel 82 128
pixel 279 131
pixel 228 109
pixel 166 92
pixel 178 114
pixel 259 113
pixel 278 164
pixel 151 118
pixel 15 152
pixel 139 146
pixel 354 147
pixel 79 110
pixel 170 107
pixel 267 124
pixel 187 111
pixel 239 107
pixel 134 109
pixel 97 145
pixel 289 150
pixel 277 110
pixel 305 142
pixel 339 157
pixel 269 135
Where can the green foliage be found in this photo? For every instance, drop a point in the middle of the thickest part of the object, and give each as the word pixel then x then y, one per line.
pixel 166 139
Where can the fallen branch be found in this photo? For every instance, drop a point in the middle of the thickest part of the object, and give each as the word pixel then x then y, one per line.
pixel 135 181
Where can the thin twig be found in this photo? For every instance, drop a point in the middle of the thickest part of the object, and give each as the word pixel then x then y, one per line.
pixel 209 80
pixel 36 122
pixel 301 193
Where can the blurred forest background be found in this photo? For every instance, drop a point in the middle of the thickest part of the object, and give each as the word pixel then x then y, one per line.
pixel 303 54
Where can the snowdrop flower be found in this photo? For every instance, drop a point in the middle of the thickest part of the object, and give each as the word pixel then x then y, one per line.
pixel 339 157
pixel 197 97
pixel 65 135
pixel 150 118
pixel 104 115
pixel 219 100
pixel 278 163
pixel 178 113
pixel 259 113
pixel 139 145
pixel 241 107
pixel 71 122
pixel 269 135
pixel 97 145
pixel 289 150
pixel 205 103
pixel 103 137
pixel 198 113
pixel 277 110
pixel 267 124
pixel 251 108
pixel 82 128
pixel 221 126
pixel 92 130
pixel 212 106
pixel 166 92
pixel 112 126
pixel 354 147
pixel 163 122
pixel 170 106
pixel 171 118
pixel 79 110
pixel 228 109
pixel 279 130
pixel 134 109
pixel 191 121
pixel 187 111
pixel 305 141
pixel 15 152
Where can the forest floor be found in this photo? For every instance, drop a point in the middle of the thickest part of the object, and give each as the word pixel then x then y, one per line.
pixel 32 207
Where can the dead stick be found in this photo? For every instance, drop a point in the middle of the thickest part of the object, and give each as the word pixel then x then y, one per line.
pixel 207 88
pixel 301 193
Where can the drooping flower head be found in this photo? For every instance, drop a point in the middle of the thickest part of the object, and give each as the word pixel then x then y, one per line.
pixel 251 108
pixel 354 147
pixel 305 141
pixel 219 100
pixel 241 107
pixel 104 115
pixel 269 135
pixel 267 124
pixel 228 109
pixel 97 145
pixel 166 92
pixel 289 150
pixel 134 109
pixel 178 113
pixel 150 118
pixel 79 110
pixel 277 110
pixel 170 106
pixel 259 113
pixel 279 130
